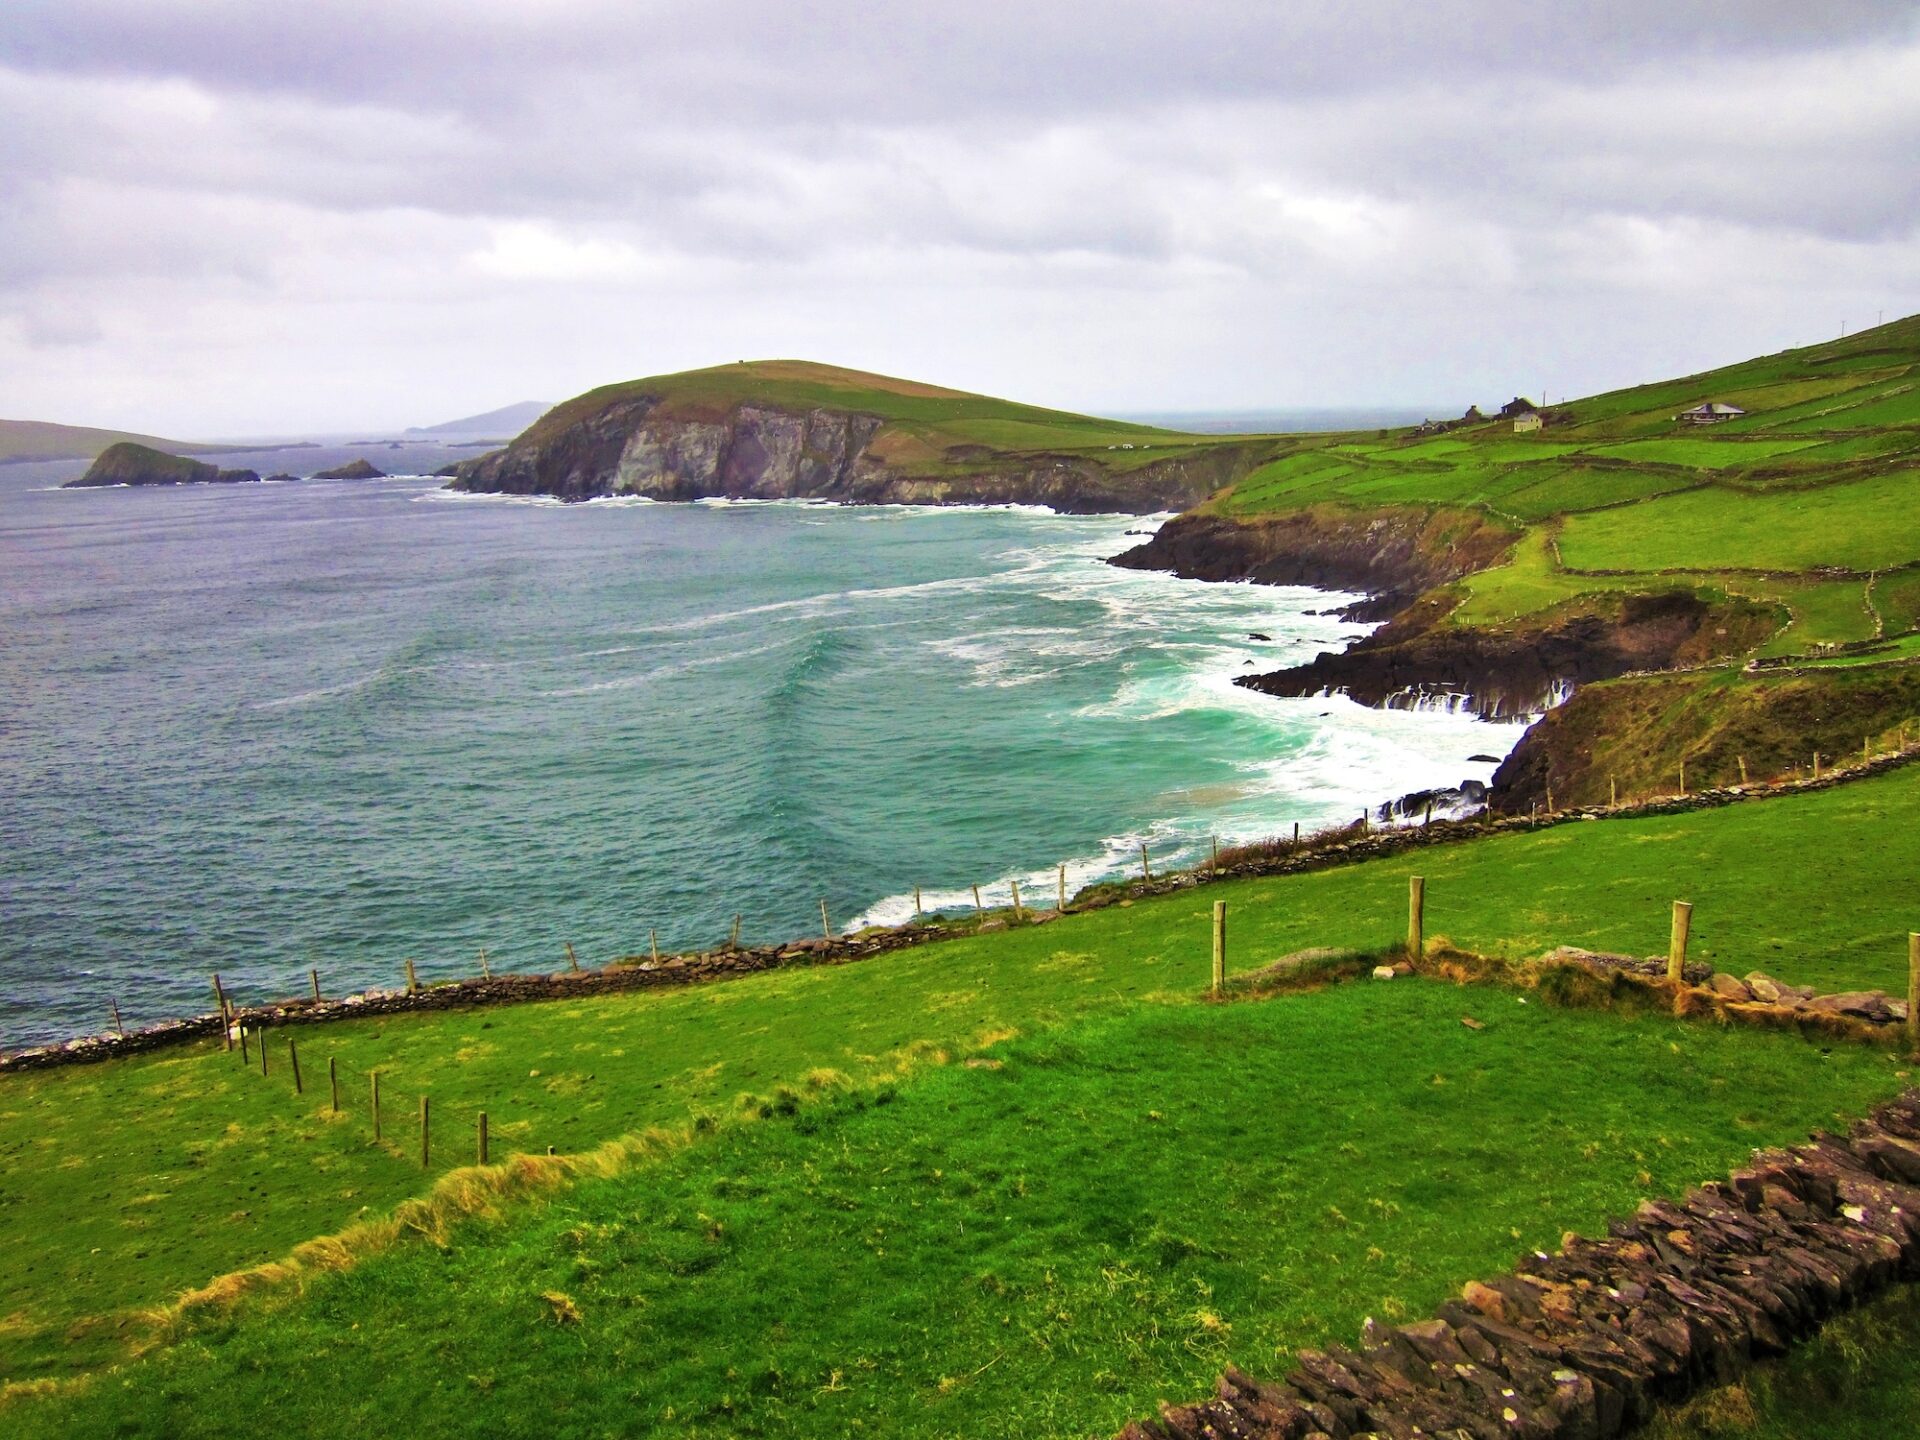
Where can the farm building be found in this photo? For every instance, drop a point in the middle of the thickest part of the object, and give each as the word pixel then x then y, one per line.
pixel 1527 421
pixel 1710 412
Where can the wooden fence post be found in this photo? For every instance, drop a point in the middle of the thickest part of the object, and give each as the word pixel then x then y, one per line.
pixel 424 1116
pixel 1063 889
pixel 1913 992
pixel 262 1038
pixel 1613 792
pixel 1416 917
pixel 374 1076
pixel 246 1055
pixel 293 1059
pixel 573 961
pixel 1296 834
pixel 1146 866
pixel 413 980
pixel 1816 764
pixel 226 1020
pixel 978 908
pixel 486 970
pixel 653 939
pixel 1219 946
pixel 1677 941
pixel 1216 855
pixel 1549 797
pixel 483 1137
pixel 1683 778
pixel 1743 769
pixel 825 928
pixel 918 913
pixel 1016 899
pixel 314 976
pixel 1429 817
pixel 733 940
pixel 333 1082
pixel 122 1029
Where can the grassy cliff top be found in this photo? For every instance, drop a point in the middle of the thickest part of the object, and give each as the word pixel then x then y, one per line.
pixel 1803 501
pixel 921 423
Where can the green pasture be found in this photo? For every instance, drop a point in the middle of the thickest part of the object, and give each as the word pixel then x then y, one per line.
pixel 227 1167
pixel 1047 1243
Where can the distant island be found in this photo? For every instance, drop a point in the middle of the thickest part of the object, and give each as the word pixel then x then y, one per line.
pixel 507 421
pixel 130 463
pixel 352 470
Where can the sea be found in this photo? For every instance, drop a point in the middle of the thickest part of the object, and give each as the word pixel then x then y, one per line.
pixel 337 725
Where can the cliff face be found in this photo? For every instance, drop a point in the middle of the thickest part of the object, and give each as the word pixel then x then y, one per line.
pixel 766 453
pixel 131 464
pixel 1391 556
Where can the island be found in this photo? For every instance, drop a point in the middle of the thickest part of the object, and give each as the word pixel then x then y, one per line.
pixel 129 463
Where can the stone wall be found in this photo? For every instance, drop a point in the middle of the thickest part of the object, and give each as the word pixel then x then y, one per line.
pixel 1583 1343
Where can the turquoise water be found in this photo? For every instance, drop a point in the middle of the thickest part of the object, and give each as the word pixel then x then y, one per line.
pixel 339 725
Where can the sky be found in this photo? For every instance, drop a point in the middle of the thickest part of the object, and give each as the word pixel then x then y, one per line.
pixel 226 217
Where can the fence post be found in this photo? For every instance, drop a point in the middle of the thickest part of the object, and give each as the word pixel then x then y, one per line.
pixel 1063 889
pixel 293 1059
pixel 1613 792
pixel 333 1082
pixel 483 1137
pixel 314 976
pixel 424 1114
pixel 486 970
pixel 226 1020
pixel 1219 946
pixel 374 1076
pixel 733 940
pixel 246 1055
pixel 1416 917
pixel 979 910
pixel 1146 867
pixel 1216 854
pixel 1816 764
pixel 1296 834
pixel 1016 899
pixel 115 1000
pixel 1683 779
pixel 1743 769
pixel 1549 797
pixel 1913 991
pixel 918 913
pixel 573 962
pixel 1677 941
pixel 262 1038
pixel 825 928
pixel 413 980
pixel 653 939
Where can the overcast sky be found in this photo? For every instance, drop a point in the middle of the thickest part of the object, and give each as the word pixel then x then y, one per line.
pixel 254 216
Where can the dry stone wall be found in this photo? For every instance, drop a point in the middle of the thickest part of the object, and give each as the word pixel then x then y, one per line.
pixel 1583 1343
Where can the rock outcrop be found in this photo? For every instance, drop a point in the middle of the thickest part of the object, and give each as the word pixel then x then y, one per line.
pixel 1391 556
pixel 636 445
pixel 352 470
pixel 131 464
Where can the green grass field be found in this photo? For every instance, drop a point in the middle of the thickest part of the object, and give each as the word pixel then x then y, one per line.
pixel 1048 1245
pixel 228 1168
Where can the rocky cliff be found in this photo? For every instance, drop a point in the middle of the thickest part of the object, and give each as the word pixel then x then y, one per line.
pixel 634 445
pixel 131 464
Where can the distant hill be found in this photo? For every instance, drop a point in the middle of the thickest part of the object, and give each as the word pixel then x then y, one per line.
pixel 24 440
pixel 507 421
pixel 777 429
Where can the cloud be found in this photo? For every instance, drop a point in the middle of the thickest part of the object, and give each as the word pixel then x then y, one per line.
pixel 1092 204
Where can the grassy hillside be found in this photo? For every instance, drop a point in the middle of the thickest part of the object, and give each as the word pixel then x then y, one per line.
pixel 1803 502
pixel 40 440
pixel 1043 1243
pixel 227 1168
pixel 927 428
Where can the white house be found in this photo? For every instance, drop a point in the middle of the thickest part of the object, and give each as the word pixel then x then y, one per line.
pixel 1710 412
